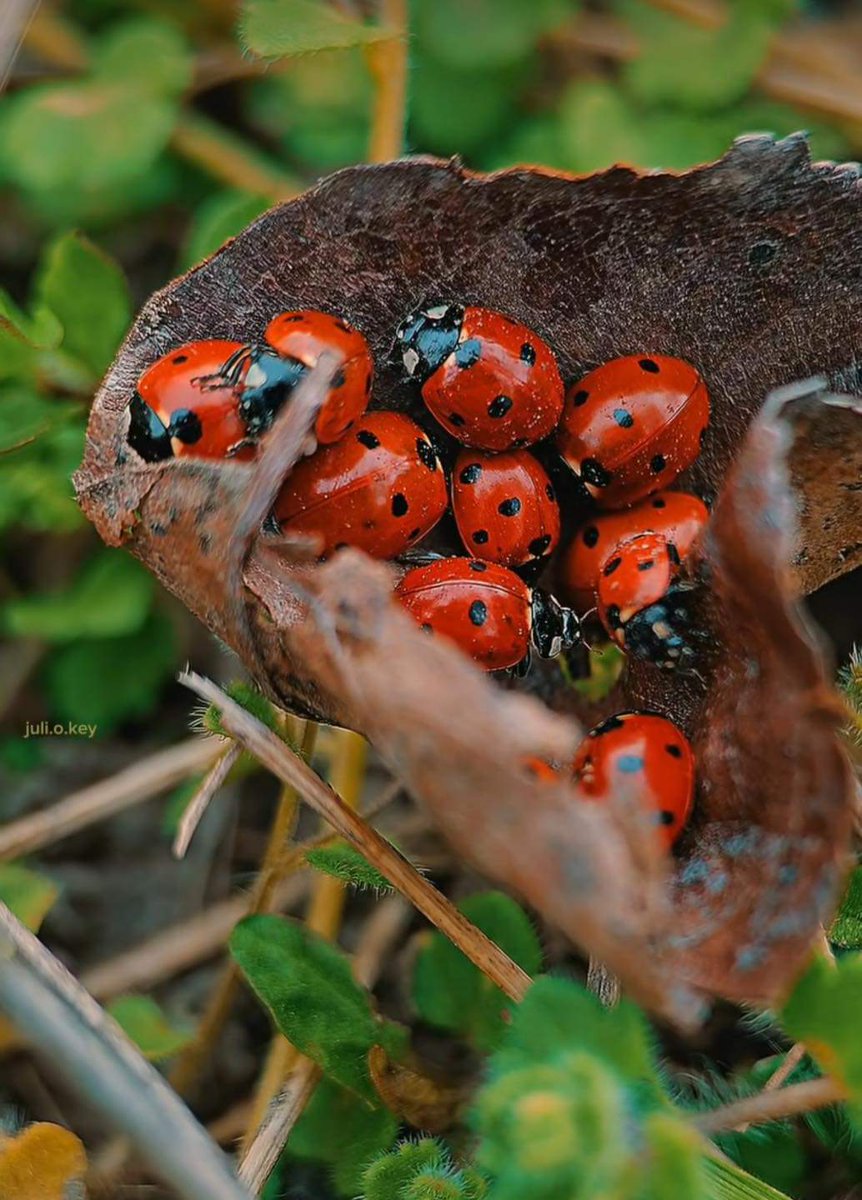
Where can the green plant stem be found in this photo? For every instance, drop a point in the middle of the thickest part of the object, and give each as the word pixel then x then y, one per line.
pixel 387 61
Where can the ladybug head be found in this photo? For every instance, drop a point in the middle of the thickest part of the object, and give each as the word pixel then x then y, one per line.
pixel 427 337
pixel 147 435
pixel 555 628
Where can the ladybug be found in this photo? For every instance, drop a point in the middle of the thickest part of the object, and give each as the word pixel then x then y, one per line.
pixel 176 411
pixel 540 770
pixel 488 380
pixel 630 427
pixel 505 507
pixel 488 611
pixel 381 488
pixel 267 372
pixel 641 606
pixel 678 516
pixel 649 751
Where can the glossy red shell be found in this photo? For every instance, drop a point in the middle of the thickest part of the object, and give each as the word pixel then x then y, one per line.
pixel 381 488
pixel 178 381
pixel 636 573
pixel 678 516
pixel 505 506
pixel 631 426
pixel 509 393
pixel 484 608
pixel 645 750
pixel 304 335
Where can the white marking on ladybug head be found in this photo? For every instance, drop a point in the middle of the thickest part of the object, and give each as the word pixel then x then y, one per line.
pixel 255 376
pixel 438 312
pixel 411 361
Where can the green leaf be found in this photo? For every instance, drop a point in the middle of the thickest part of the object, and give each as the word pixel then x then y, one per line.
pixel 451 993
pixel 685 65
pixel 847 927
pixel 145 1023
pixel 606 666
pixel 308 987
pixel 280 28
pixel 220 217
pixel 823 1012
pixel 37 491
pixel 28 894
pixel 107 681
pixel 345 862
pixel 24 416
pixel 599 127
pixel 87 292
pixel 674 1164
pixel 41 329
pixel 110 597
pixel 457 111
pixel 149 54
pixel 475 34
pixel 726 1181
pixel 340 1129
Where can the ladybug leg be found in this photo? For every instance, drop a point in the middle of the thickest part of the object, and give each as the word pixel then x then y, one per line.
pixel 522 668
pixel 228 375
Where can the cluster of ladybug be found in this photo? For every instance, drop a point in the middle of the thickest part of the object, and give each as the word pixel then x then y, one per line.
pixel 376 481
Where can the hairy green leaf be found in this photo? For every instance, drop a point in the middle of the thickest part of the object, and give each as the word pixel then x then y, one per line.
pixel 151 55
pixel 451 993
pixel 345 862
pixel 388 1176
pixel 220 217
pixel 340 1129
pixel 847 927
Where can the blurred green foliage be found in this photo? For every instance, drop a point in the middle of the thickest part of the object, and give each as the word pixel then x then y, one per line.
pixel 135 138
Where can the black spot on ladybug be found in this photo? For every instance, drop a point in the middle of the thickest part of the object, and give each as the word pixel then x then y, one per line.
pixel 427 454
pixel 185 425
pixel 593 472
pixel 340 323
pixel 659 503
pixel 647 565
pixel 623 418
pixel 539 545
pixel 658 462
pixel 468 352
pixel 611 566
pixel 761 254
pixel 456 419
pixel 339 380
pixel 478 612
pixel 590 536
pixel 673 751
pixel 399 505
pixel 550 493
pixel 480 537
pixel 649 364
pixel 369 524
pixel 580 398
pixel 666 817
pixel 477 565
pixel 673 554
pixel 471 473
pixel 341 545
pixel 613 614
pixel 426 628
pixel 510 507
pixel 528 353
pixel 499 406
pixel 414 534
pixel 607 726
pixel 180 358
pixel 367 438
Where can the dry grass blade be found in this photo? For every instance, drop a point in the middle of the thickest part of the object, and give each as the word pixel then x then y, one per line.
pixel 288 766
pixel 200 802
pixel 256 1167
pixel 101 800
pixel 77 1040
pixel 772 1106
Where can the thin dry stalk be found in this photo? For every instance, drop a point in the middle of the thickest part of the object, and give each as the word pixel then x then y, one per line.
pixel 603 984
pixel 200 801
pixel 387 61
pixel 78 1041
pixel 404 877
pixel 792 1059
pixel 772 1106
pixel 131 786
pixel 323 917
pixel 263 1154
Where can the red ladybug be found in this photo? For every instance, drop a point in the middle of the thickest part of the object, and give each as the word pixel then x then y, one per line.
pixel 380 488
pixel 640 605
pixel 489 381
pixel 269 371
pixel 646 750
pixel 176 411
pixel 505 507
pixel 630 427
pixel 678 516
pixel 488 611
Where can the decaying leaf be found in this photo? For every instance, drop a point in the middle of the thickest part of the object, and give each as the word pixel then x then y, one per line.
pixel 44 1162
pixel 747 267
